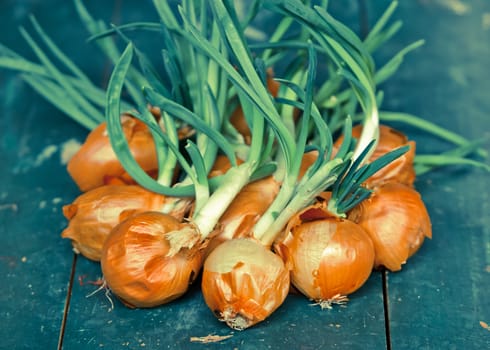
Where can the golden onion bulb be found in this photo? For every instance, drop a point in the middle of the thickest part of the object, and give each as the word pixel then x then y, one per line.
pixel 243 282
pixel 221 165
pixel 94 214
pixel 143 266
pixel 95 161
pixel 330 258
pixel 401 169
pixel 397 221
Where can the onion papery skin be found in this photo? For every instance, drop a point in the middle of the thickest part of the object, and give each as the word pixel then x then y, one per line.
pixel 401 169
pixel 94 214
pixel 95 161
pixel 136 264
pixel 244 211
pixel 330 258
pixel 221 165
pixel 309 158
pixel 396 219
pixel 243 282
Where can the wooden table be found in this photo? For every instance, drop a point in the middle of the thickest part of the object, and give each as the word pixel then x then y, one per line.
pixel 438 301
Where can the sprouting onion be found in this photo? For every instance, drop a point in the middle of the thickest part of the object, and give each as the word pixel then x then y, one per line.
pixel 330 256
pixel 239 287
pixel 122 272
pixel 151 255
pixel 95 162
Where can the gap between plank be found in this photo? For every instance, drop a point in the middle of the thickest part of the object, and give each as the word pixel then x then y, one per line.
pixel 363 32
pixel 116 14
pixel 67 302
pixel 384 277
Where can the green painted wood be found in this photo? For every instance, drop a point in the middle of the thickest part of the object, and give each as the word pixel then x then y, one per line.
pixel 35 264
pixel 441 296
pixel 437 301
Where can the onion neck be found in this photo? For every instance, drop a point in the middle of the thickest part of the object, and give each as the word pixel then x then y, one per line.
pixel 283 209
pixel 234 180
pixel 370 131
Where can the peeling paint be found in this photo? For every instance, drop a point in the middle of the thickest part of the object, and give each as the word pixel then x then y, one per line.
pixel 45 154
pixel 458 7
pixel 485 20
pixel 68 149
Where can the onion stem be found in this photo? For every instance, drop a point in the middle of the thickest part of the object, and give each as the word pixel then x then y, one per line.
pixel 234 180
pixel 294 196
pixel 269 227
pixel 209 207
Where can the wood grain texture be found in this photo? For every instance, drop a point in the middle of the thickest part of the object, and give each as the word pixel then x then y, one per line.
pixel 440 297
pixel 437 301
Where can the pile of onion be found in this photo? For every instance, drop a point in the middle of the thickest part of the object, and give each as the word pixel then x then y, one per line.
pixel 93 214
pixel 252 232
pixel 395 216
pixel 165 196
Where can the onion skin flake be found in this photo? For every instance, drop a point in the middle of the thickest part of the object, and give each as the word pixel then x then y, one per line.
pixel 243 282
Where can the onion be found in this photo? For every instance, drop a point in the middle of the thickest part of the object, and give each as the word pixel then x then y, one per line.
pixel 397 221
pixel 308 159
pixel 94 213
pixel 95 162
pixel 243 282
pixel 329 257
pixel 401 169
pixel 244 212
pixel 221 165
pixel 150 259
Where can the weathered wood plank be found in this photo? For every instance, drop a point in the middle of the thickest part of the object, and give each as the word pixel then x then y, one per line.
pixel 437 301
pixel 35 263
pixel 440 297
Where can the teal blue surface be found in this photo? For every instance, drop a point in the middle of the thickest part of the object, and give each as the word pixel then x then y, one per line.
pixel 440 298
pixel 437 301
